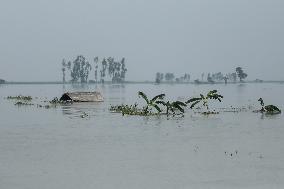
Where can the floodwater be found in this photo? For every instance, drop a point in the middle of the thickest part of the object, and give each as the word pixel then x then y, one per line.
pixel 57 148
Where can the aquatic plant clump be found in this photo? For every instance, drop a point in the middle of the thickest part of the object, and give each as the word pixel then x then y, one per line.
pixel 20 97
pixel 268 109
pixel 56 101
pixel 19 103
pixel 131 110
pixel 151 108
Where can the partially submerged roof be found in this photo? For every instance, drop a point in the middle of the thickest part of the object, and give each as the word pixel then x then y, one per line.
pixel 82 97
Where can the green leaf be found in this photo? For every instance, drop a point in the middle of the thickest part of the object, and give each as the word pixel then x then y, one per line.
pixel 180 103
pixel 193 104
pixel 192 100
pixel 160 97
pixel 157 108
pixel 179 108
pixel 161 102
pixel 144 96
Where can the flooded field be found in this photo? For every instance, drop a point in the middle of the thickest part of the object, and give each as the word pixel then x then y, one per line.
pixel 60 148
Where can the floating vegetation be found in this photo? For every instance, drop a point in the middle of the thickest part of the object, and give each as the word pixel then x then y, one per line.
pixel 21 100
pixel 209 113
pixel 131 110
pixel 151 108
pixel 213 95
pixel 84 115
pixel 26 101
pixel 19 103
pixel 56 101
pixel 234 109
pixel 20 97
pixel 268 109
pixel 146 110
pixel 125 109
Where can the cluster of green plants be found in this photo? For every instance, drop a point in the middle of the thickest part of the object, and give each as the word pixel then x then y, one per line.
pixel 158 106
pixel 21 100
pixel 129 110
pixel 151 107
pixel 27 101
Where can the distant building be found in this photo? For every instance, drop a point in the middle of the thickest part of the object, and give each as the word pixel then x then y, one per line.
pixel 2 81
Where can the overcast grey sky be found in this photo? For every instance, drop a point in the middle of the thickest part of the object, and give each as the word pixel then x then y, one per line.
pixel 180 36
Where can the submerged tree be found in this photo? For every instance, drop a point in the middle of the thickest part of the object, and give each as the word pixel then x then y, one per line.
pixel 169 77
pixel 103 70
pixel 123 70
pixel 159 77
pixel 116 70
pixel 64 65
pixel 80 70
pixel 217 76
pixel 96 60
pixel 209 78
pixel 241 74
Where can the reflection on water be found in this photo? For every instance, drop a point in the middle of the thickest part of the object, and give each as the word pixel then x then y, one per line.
pixel 79 109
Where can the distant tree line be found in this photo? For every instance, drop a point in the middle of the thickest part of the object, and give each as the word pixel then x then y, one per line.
pixel 211 77
pixel 80 70
pixel 170 77
pixel 2 81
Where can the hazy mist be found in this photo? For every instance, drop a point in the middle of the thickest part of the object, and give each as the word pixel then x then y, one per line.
pixel 192 36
